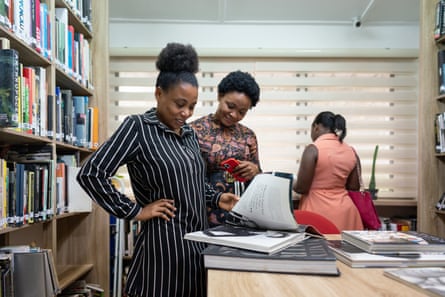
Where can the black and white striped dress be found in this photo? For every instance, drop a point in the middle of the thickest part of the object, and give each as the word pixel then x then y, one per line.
pixel 161 164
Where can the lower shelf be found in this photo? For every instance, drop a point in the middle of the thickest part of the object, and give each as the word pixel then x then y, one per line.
pixel 67 274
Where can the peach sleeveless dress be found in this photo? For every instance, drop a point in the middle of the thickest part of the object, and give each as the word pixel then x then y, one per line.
pixel 328 195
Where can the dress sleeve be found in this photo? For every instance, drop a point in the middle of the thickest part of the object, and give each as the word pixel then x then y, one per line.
pixel 96 173
pixel 253 150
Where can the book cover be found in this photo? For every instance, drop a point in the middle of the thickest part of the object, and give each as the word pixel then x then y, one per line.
pixel 428 280
pixel 68 115
pixel 61 187
pixel 80 122
pixel 77 198
pixel 310 256
pixel 394 241
pixel 9 88
pixel 441 70
pixel 6 271
pixel 50 116
pixel 93 124
pixel 357 258
pixel 59 114
pixel 31 276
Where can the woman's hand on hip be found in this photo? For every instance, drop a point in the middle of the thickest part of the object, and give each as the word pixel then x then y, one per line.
pixel 162 208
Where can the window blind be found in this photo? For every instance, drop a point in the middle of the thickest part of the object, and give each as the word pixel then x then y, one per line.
pixel 377 96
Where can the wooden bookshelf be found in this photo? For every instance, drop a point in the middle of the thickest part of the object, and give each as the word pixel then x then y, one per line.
pixel 431 166
pixel 79 241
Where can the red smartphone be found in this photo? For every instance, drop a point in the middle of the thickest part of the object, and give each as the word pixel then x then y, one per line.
pixel 229 165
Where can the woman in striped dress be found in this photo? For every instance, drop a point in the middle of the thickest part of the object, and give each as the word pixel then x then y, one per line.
pixel 166 170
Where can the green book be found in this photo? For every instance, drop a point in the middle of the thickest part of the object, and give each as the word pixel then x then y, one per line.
pixel 9 88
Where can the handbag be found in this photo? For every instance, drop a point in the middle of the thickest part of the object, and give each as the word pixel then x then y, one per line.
pixel 365 205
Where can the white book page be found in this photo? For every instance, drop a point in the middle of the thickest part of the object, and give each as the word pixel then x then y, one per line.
pixel 266 202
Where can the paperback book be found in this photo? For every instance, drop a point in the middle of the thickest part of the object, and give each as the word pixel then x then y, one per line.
pixel 357 258
pixel 428 280
pixel 311 256
pixel 381 242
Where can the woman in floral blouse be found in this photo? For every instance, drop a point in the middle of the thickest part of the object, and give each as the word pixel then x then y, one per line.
pixel 221 137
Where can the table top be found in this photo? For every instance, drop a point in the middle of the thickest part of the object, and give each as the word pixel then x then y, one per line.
pixel 362 282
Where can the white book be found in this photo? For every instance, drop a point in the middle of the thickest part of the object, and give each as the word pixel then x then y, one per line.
pixel 428 280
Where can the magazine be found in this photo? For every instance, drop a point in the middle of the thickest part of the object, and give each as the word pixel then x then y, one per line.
pixel 428 280
pixel 357 258
pixel 381 242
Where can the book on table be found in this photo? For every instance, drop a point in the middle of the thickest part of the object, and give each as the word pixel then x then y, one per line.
pixel 311 256
pixel 381 242
pixel 355 257
pixel 428 280
pixel 262 220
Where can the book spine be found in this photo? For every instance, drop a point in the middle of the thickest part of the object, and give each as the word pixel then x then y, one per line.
pixel 9 88
pixel 80 122
pixel 441 69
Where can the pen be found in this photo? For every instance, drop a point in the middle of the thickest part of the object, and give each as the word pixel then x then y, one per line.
pixel 401 255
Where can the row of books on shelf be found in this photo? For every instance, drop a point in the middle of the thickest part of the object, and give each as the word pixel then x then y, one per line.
pixel 30 271
pixel 31 22
pixel 27 271
pixel 27 105
pixel 26 188
pixel 72 49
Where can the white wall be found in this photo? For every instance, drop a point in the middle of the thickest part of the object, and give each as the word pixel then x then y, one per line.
pixel 254 37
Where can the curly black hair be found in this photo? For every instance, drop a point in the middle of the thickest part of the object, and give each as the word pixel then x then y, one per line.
pixel 241 82
pixel 177 63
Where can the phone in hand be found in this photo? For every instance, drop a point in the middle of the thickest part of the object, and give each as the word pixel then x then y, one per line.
pixel 229 165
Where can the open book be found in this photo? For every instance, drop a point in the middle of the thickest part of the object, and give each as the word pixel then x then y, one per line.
pixel 262 220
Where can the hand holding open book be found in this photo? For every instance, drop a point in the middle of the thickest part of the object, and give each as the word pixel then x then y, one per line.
pixel 262 220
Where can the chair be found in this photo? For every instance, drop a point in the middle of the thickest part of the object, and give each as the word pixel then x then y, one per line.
pixel 321 223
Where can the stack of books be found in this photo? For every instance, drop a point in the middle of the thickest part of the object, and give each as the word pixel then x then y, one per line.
pixel 361 249
pixel 263 235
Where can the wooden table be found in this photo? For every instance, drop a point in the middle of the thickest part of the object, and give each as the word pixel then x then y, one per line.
pixel 353 282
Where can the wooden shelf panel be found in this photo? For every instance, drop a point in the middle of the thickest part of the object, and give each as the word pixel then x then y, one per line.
pixel 395 202
pixel 65 81
pixel 12 137
pixel 67 274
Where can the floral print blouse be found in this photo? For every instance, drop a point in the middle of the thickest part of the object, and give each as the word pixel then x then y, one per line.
pixel 218 143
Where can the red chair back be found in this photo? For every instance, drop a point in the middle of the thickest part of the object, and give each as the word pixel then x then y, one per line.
pixel 321 223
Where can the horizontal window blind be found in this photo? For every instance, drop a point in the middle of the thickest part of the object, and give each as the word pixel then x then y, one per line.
pixel 377 96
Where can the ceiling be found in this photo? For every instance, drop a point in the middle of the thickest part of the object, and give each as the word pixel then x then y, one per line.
pixel 375 12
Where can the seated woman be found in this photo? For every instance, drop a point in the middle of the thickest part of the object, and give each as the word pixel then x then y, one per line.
pixel 221 137
pixel 327 171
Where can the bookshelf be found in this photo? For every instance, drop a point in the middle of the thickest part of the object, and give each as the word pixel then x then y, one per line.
pixel 431 166
pixel 79 241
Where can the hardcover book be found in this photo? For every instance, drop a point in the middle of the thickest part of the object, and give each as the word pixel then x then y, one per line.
pixel 239 237
pixel 262 220
pixel 9 88
pixel 357 258
pixel 311 256
pixel 428 280
pixel 381 242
